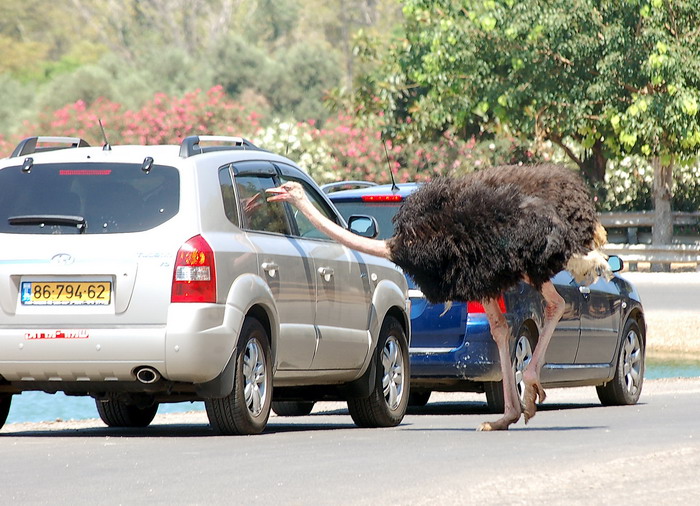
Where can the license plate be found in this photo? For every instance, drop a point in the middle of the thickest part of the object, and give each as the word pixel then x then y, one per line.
pixel 66 293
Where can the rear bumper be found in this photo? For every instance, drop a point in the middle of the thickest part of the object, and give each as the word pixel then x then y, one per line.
pixel 193 347
pixel 475 360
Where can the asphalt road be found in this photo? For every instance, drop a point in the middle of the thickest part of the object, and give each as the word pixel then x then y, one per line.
pixel 677 291
pixel 573 452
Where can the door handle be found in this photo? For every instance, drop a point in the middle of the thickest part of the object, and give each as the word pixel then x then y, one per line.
pixel 326 273
pixel 271 268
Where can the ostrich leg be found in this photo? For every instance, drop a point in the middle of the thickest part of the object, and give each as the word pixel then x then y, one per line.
pixel 501 334
pixel 554 309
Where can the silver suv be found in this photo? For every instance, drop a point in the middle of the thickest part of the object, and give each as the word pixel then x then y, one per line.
pixel 140 275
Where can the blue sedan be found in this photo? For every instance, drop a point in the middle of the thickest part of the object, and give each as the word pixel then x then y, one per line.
pixel 600 340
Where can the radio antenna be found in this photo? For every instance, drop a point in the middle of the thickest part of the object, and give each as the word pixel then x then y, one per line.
pixel 106 146
pixel 289 131
pixel 394 188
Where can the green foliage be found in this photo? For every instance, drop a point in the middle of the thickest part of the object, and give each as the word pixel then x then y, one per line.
pixel 87 83
pixel 288 52
pixel 20 58
pixel 305 73
pixel 274 20
pixel 14 96
pixel 239 65
pixel 618 78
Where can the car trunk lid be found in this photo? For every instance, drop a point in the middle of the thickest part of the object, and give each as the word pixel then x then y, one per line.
pixel 91 280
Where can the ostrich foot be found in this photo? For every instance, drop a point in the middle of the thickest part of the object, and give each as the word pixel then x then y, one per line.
pixel 533 391
pixel 500 424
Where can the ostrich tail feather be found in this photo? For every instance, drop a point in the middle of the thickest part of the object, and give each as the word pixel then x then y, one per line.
pixel 600 236
pixel 587 268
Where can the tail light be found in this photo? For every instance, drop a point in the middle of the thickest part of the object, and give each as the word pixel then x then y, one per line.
pixel 194 278
pixel 476 307
pixel 382 198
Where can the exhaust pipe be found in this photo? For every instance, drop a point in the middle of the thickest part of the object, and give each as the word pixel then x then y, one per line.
pixel 147 375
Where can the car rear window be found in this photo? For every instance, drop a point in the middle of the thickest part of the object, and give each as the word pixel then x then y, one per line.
pixel 382 212
pixel 90 198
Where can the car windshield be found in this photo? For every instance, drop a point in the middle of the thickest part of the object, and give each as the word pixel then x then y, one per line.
pixel 91 198
pixel 382 212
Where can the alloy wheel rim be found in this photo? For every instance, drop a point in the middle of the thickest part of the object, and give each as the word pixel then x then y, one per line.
pixel 523 355
pixel 632 362
pixel 254 377
pixel 393 377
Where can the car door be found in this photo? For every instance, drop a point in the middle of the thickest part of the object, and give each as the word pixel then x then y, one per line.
pixel 343 292
pixel 600 323
pixel 561 353
pixel 282 263
pixel 565 341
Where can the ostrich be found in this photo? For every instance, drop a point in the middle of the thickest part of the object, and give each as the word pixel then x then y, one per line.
pixel 473 237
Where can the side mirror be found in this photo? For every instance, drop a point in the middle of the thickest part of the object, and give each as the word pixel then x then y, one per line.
pixel 616 264
pixel 364 226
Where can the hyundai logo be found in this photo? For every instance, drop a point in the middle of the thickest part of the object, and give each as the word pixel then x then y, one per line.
pixel 62 259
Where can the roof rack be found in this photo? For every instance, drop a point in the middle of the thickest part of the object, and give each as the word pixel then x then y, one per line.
pixel 190 145
pixel 28 145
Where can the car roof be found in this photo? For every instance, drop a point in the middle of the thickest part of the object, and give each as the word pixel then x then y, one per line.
pixel 402 189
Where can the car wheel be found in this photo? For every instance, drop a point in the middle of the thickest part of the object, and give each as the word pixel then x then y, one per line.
pixel 626 386
pixel 116 413
pixel 388 400
pixel 5 402
pixel 522 354
pixel 419 398
pixel 247 408
pixel 292 408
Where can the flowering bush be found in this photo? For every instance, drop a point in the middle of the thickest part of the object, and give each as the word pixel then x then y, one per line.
pixel 300 142
pixel 162 120
pixel 6 146
pixel 686 188
pixel 629 186
pixel 343 148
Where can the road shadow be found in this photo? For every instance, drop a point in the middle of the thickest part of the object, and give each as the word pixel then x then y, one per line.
pixel 181 430
pixel 322 420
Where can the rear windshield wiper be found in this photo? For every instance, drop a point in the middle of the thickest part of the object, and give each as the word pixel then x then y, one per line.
pixel 50 219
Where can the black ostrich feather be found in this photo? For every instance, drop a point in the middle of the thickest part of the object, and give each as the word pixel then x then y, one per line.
pixel 471 238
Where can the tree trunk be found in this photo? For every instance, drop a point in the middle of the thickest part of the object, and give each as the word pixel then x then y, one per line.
pixel 662 231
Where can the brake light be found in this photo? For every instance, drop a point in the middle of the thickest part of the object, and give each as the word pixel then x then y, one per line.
pixel 382 198
pixel 194 277
pixel 84 172
pixel 476 307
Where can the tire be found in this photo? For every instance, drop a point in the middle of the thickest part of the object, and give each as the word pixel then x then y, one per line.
pixel 292 408
pixel 247 408
pixel 419 398
pixel 5 402
pixel 522 354
pixel 388 400
pixel 116 413
pixel 626 386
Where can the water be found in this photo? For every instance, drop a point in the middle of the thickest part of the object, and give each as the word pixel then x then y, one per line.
pixel 39 406
pixel 671 368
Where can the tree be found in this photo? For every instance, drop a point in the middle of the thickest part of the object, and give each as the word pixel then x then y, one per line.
pixel 306 72
pixel 602 79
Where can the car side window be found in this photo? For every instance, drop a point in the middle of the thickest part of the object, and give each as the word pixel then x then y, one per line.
pixel 228 195
pixel 256 212
pixel 304 226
